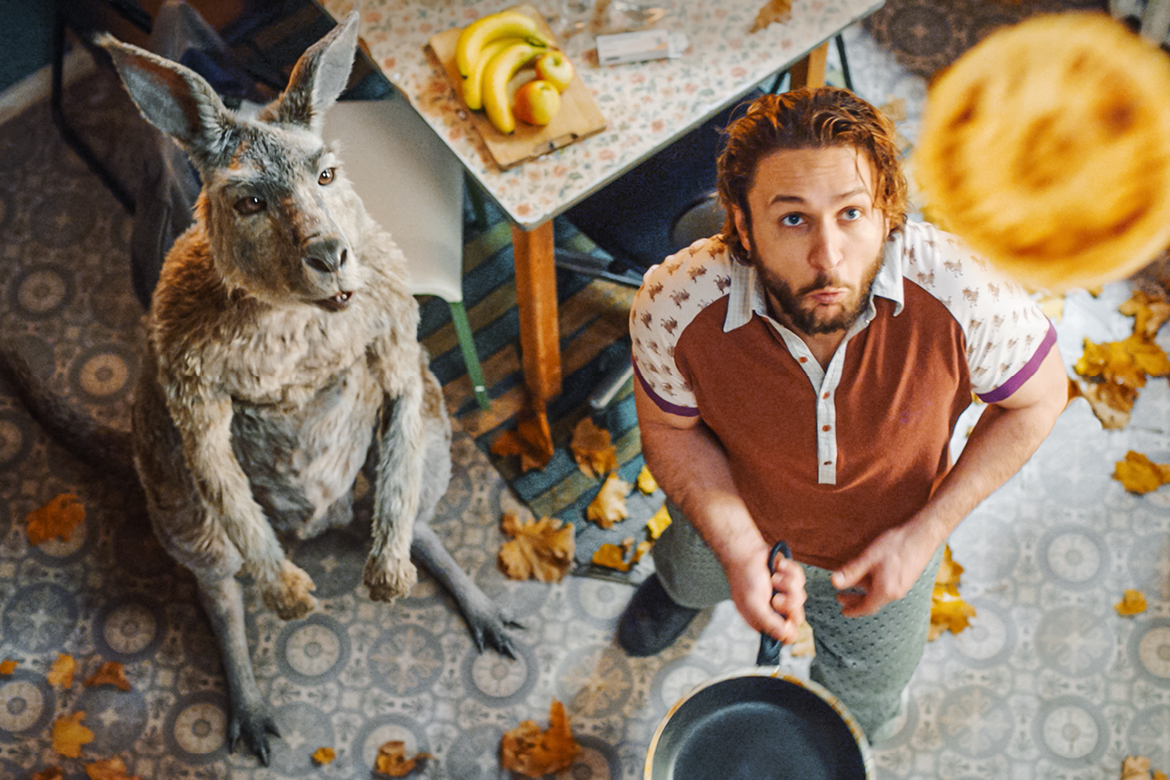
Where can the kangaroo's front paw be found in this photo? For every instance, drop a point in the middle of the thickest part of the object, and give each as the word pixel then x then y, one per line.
pixel 289 596
pixel 388 580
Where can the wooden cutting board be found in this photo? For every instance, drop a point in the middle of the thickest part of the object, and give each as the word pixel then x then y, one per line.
pixel 577 119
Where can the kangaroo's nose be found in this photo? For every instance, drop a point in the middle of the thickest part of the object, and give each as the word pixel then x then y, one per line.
pixel 326 254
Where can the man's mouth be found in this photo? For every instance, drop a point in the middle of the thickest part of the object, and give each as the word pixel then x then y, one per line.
pixel 828 295
pixel 336 302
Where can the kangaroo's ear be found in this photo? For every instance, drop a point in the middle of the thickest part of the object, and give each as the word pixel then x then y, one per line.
pixel 317 79
pixel 173 98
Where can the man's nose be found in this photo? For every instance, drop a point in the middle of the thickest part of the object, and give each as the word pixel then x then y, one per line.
pixel 826 251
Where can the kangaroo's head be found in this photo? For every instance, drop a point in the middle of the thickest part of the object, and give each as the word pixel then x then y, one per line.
pixel 280 216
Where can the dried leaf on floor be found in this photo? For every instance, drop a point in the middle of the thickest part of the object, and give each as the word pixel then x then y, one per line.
pixel 531 440
pixel 773 11
pixel 108 769
pixel 1149 312
pixel 1111 403
pixel 646 482
pixel 1140 475
pixel 49 773
pixel 69 735
pixel 1114 371
pixel 658 522
pixel 948 610
pixel 804 646
pixel 1133 602
pixel 392 760
pixel 542 549
pixel 614 556
pixel 1135 768
pixel 324 755
pixel 593 449
pixel 8 666
pixel 61 672
pixel 535 753
pixel 56 519
pixel 111 673
pixel 609 506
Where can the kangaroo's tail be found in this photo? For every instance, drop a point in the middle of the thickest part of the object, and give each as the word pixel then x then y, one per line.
pixel 104 448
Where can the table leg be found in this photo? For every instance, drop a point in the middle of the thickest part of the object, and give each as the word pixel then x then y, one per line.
pixel 810 72
pixel 536 303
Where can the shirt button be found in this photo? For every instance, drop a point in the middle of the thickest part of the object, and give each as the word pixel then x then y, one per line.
pixel 826 428
pixel 804 360
pixel 828 463
pixel 825 396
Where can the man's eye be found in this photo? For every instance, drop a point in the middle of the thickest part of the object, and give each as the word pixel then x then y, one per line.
pixel 326 176
pixel 851 213
pixel 250 205
pixel 791 220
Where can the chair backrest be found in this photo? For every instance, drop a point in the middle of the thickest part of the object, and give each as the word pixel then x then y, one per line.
pixel 411 183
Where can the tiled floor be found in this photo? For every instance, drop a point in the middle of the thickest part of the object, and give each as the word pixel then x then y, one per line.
pixel 1047 683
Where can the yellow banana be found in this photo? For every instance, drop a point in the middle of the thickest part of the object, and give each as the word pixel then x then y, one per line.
pixel 499 72
pixel 478 34
pixel 473 84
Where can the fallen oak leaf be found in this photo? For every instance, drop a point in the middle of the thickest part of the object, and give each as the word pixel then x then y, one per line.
pixel 645 481
pixel 532 441
pixel 1140 475
pixel 609 506
pixel 108 769
pixel 56 519
pixel 1133 602
pixel 535 753
pixel 949 572
pixel 658 522
pixel 1149 312
pixel 49 773
pixel 111 673
pixel 61 672
pixel 324 755
pixel 69 735
pixel 542 549
pixel 948 610
pixel 593 449
pixel 392 761
pixel 8 666
pixel 611 557
pixel 1135 768
pixel 772 11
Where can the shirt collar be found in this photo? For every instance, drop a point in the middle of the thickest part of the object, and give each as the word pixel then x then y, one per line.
pixel 746 296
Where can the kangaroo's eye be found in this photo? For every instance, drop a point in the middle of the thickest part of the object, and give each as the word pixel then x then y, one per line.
pixel 326 176
pixel 250 205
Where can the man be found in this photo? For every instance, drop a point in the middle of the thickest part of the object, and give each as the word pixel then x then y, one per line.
pixel 799 378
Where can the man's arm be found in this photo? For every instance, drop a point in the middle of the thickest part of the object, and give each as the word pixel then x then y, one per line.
pixel 1006 435
pixel 691 466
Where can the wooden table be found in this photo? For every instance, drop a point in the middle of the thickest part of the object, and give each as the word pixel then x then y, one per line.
pixel 647 105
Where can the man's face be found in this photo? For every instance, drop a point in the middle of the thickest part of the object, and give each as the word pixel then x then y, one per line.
pixel 815 237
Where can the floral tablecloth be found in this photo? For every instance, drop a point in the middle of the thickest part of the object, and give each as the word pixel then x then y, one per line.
pixel 647 105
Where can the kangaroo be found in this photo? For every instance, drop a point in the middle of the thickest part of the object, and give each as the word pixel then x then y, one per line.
pixel 282 354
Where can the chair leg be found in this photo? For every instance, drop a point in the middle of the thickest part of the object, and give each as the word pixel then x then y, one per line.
pixel 470 357
pixel 844 63
pixel 477 205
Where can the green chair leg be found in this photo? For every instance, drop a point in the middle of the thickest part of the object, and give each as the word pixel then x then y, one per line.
pixel 477 204
pixel 470 358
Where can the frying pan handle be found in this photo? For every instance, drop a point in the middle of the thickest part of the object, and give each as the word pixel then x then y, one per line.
pixel 769 654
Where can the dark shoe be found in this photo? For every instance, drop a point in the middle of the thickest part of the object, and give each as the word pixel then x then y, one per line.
pixel 652 621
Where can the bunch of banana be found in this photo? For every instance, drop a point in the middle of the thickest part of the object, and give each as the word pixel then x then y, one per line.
pixel 488 54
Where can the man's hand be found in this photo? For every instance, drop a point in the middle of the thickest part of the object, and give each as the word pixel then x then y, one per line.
pixel 780 615
pixel 884 571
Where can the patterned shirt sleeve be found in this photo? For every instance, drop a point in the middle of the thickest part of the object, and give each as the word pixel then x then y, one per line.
pixel 672 294
pixel 1007 334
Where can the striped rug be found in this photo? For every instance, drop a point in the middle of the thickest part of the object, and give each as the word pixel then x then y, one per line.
pixel 594 340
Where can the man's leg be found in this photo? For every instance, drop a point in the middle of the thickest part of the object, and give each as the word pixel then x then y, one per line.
pixel 867 662
pixel 688 578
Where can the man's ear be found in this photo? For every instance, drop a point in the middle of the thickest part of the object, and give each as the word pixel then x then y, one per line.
pixel 742 227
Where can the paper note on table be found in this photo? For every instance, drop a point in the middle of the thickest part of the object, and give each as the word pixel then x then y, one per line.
pixel 639 45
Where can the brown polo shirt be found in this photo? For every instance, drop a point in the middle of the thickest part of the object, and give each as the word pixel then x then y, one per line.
pixel 829 459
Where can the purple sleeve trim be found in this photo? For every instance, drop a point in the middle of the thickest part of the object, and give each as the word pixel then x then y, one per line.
pixel 664 405
pixel 1025 373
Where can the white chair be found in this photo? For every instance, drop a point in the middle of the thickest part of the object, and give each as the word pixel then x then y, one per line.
pixel 412 185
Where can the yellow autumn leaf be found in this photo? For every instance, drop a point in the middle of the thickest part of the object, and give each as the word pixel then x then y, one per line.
pixel 392 761
pixel 61 672
pixel 609 506
pixel 108 769
pixel 658 522
pixel 8 666
pixel 49 773
pixel 948 610
pixel 611 557
pixel 1135 768
pixel 645 481
pixel 542 549
pixel 1149 313
pixel 1140 475
pixel 772 11
pixel 56 519
pixel 535 753
pixel 1133 602
pixel 324 755
pixel 69 735
pixel 531 440
pixel 111 673
pixel 949 572
pixel 592 449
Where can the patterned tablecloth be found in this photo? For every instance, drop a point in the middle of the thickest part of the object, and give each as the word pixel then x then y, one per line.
pixel 647 105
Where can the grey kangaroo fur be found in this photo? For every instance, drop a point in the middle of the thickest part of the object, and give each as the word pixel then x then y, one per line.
pixel 282 352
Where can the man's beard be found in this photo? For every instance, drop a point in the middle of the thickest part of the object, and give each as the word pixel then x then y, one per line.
pixel 810 321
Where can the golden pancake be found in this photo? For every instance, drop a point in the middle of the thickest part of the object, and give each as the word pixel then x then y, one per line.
pixel 1047 148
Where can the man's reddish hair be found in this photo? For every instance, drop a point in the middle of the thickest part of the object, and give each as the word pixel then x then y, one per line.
pixel 808 118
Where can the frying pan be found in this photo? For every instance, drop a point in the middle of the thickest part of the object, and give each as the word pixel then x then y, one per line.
pixel 759 724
